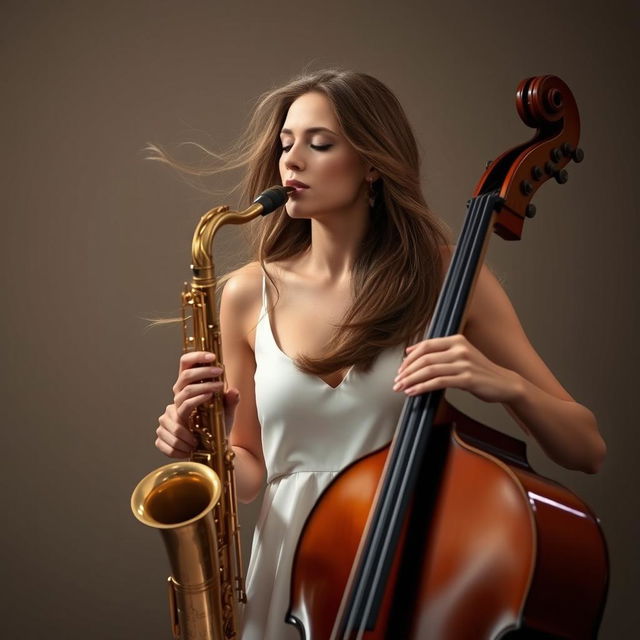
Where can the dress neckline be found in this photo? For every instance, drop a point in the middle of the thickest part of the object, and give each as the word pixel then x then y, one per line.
pixel 265 311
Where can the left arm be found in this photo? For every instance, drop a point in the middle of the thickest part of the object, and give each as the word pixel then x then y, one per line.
pixel 495 361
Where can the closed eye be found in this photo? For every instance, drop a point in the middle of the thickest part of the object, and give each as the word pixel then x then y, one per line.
pixel 316 147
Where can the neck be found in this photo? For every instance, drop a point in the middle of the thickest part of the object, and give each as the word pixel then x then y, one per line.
pixel 336 242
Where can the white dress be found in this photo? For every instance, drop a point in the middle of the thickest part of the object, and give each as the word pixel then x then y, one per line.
pixel 310 432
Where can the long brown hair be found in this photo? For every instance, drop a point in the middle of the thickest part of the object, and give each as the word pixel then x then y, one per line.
pixel 398 272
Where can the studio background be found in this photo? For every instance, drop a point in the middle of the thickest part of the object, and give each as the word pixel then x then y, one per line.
pixel 95 239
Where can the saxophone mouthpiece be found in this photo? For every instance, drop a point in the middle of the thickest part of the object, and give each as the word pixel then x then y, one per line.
pixel 273 198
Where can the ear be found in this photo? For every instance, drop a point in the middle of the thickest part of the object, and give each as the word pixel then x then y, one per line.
pixel 373 174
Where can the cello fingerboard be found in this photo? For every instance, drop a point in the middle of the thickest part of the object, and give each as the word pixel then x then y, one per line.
pixel 412 440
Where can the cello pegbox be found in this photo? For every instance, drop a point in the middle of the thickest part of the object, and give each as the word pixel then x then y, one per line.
pixel 546 104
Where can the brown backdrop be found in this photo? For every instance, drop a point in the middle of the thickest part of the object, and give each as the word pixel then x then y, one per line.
pixel 95 239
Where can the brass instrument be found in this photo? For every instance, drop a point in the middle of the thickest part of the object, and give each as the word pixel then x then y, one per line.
pixel 194 504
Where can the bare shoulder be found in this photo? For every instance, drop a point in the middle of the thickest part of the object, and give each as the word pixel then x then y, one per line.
pixel 240 303
pixel 490 302
pixel 490 291
pixel 243 287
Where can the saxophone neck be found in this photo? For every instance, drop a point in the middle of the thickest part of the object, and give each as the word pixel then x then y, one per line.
pixel 202 245
pixel 210 223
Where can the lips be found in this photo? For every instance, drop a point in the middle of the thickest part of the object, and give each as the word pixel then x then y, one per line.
pixel 296 184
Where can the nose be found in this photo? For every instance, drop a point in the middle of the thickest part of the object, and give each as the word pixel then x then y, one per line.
pixel 293 159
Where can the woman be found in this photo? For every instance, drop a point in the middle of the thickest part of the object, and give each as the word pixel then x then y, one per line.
pixel 321 333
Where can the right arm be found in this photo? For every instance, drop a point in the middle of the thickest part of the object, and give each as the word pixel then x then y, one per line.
pixel 239 309
pixel 238 313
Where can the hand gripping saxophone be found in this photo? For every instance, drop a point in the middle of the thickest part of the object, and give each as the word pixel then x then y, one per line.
pixel 193 504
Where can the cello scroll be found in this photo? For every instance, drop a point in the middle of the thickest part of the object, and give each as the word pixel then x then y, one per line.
pixel 547 104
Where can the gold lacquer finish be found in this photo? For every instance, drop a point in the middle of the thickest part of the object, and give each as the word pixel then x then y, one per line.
pixel 193 504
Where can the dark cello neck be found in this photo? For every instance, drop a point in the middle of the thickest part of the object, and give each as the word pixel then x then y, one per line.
pixel 411 442
pixel 465 264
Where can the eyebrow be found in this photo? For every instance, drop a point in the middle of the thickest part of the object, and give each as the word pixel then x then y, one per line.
pixel 311 130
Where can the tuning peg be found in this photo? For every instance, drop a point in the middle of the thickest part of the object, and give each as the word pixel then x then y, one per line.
pixel 561 176
pixel 567 149
pixel 576 154
pixel 486 166
pixel 526 187
pixel 556 154
pixel 530 211
pixel 537 172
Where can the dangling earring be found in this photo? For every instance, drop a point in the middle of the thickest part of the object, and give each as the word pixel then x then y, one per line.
pixel 372 194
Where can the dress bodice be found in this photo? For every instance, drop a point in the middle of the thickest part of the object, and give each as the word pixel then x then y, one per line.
pixel 310 432
pixel 307 425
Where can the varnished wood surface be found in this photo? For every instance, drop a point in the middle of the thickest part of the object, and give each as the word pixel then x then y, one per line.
pixel 506 548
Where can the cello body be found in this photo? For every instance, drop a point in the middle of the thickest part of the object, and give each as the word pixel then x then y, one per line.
pixel 447 533
pixel 509 554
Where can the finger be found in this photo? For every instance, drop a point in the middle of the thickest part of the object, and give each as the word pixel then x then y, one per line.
pixel 175 435
pixel 437 344
pixel 200 373
pixel 195 374
pixel 419 349
pixel 199 389
pixel 424 361
pixel 185 409
pixel 174 443
pixel 433 345
pixel 459 381
pixel 424 373
pixel 193 358
pixel 162 446
pixel 428 373
pixel 177 429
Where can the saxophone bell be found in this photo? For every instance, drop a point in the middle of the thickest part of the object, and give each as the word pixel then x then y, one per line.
pixel 179 500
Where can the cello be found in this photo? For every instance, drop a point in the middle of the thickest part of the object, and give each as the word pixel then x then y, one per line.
pixel 447 533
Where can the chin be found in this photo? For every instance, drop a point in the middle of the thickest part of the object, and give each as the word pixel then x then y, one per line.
pixel 295 211
pixel 311 211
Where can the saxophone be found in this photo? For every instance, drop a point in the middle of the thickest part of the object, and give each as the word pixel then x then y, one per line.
pixel 193 504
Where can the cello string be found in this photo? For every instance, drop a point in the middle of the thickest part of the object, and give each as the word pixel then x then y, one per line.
pixel 472 264
pixel 444 300
pixel 461 265
pixel 434 444
pixel 394 493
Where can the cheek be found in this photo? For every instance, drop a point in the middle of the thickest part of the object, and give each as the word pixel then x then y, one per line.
pixel 343 172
